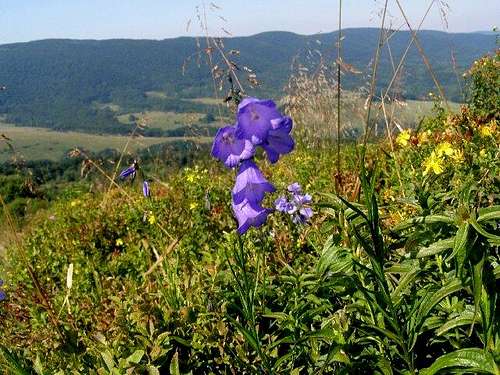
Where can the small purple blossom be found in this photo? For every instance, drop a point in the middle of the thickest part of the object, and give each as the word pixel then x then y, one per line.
pixel 145 189
pixel 297 207
pixel 302 199
pixel 230 149
pixel 251 184
pixel 254 119
pixel 249 215
pixel 294 188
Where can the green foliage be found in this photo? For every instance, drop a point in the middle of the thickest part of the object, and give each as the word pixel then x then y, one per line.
pixel 485 90
pixel 398 274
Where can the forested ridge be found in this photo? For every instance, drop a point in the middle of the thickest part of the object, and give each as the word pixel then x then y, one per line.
pixel 60 84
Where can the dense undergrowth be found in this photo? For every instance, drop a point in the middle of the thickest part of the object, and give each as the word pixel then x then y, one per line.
pixel 396 273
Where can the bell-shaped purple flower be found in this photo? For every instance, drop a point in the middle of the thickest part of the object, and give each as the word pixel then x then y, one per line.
pixel 249 215
pixel 279 141
pixel 230 149
pixel 130 171
pixel 251 184
pixel 254 119
pixel 145 189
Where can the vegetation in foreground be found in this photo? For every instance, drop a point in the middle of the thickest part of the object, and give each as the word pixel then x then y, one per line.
pixel 397 271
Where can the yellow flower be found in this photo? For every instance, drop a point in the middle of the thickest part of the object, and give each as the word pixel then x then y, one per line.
pixel 152 219
pixel 486 131
pixel 193 205
pixel 482 153
pixel 458 156
pixel 403 138
pixel 423 137
pixel 119 242
pixel 444 149
pixel 190 178
pixel 433 163
pixel 74 203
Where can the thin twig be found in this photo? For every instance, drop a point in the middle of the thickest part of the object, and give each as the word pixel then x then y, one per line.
pixel 339 57
pixel 424 56
pixel 373 82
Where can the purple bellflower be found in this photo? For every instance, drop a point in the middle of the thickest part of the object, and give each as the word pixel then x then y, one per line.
pixel 254 119
pixel 229 149
pixel 250 184
pixel 279 141
pixel 2 293
pixel 249 215
pixel 259 123
pixel 130 171
pixel 145 189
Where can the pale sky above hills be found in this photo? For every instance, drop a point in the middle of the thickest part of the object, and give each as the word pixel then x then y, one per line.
pixel 24 20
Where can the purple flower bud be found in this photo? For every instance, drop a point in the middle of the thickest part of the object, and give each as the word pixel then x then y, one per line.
pixel 251 184
pixel 145 189
pixel 229 149
pixel 249 215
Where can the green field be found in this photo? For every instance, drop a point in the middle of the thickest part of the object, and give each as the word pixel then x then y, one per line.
pixel 38 143
pixel 203 100
pixel 162 120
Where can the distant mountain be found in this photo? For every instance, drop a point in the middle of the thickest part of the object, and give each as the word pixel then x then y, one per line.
pixel 57 83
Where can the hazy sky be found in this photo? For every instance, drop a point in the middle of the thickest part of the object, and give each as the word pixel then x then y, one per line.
pixel 23 20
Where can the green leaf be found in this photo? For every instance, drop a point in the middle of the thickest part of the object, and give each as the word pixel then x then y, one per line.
pixel 430 300
pixel 11 363
pixel 247 334
pixel 477 283
pixel 489 213
pixel 384 366
pixel 460 246
pixel 431 219
pixel 153 370
pixel 38 366
pixel 436 248
pixel 467 317
pixel 473 359
pixel 390 335
pixel 334 259
pixel 108 359
pixel 493 238
pixel 404 282
pixel 136 357
pixel 174 365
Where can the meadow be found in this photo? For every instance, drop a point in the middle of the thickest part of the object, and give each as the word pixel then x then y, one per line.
pixel 32 143
pixel 333 232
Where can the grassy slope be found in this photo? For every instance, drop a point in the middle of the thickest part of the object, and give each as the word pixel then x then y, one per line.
pixel 38 143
